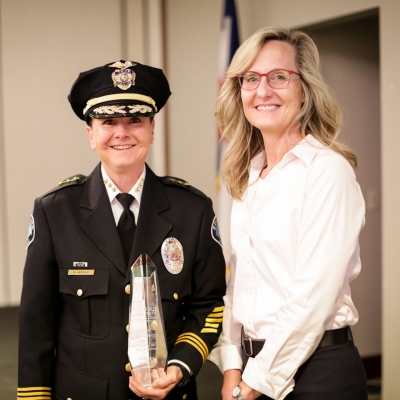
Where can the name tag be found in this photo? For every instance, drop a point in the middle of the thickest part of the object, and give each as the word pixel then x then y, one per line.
pixel 81 272
pixel 80 264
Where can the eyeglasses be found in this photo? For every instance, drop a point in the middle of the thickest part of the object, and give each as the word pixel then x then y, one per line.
pixel 277 79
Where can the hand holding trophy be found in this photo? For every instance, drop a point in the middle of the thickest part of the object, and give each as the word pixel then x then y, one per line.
pixel 147 348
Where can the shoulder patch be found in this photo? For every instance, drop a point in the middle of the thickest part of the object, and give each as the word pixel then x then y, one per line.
pixel 172 181
pixel 31 232
pixel 71 181
pixel 215 231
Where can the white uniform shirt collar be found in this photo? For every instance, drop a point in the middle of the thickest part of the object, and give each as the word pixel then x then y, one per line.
pixel 113 191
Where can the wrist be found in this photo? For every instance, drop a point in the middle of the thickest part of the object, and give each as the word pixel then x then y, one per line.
pixel 236 393
pixel 185 374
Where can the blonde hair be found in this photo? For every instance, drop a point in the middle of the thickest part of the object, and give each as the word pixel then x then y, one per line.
pixel 320 115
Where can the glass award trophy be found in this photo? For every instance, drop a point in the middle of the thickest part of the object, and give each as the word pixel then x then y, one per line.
pixel 147 347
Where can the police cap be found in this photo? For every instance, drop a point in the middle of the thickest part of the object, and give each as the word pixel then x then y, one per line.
pixel 119 89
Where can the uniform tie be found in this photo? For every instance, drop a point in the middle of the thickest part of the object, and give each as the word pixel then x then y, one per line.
pixel 126 224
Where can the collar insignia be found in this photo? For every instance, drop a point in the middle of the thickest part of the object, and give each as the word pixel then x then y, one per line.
pixel 123 76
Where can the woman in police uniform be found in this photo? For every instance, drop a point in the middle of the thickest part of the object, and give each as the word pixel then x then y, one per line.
pixel 74 315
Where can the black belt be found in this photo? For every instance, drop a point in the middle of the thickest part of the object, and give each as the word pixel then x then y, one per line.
pixel 337 336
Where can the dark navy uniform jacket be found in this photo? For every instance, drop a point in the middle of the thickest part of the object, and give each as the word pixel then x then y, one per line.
pixel 73 329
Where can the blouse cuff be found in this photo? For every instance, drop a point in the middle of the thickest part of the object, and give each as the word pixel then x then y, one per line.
pixel 227 357
pixel 272 386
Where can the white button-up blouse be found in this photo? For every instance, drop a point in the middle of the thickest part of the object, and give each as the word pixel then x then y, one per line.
pixel 295 251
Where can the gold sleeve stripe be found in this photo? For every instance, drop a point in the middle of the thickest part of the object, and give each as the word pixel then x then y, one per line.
pixel 213 319
pixel 220 314
pixel 194 345
pixel 195 339
pixel 209 330
pixel 34 393
pixel 211 325
pixel 196 342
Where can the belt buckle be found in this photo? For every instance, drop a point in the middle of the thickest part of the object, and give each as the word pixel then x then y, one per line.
pixel 251 347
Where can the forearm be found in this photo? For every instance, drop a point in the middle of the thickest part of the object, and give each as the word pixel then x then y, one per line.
pixel 232 378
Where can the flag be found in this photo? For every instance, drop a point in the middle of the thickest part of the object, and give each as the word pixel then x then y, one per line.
pixel 229 42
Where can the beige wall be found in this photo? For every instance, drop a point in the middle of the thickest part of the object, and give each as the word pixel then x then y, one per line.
pixel 4 265
pixel 45 44
pixel 192 66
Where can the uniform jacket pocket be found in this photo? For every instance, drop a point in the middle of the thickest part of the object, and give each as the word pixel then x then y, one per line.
pixel 85 301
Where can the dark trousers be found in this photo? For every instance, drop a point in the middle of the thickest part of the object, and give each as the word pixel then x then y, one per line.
pixel 331 373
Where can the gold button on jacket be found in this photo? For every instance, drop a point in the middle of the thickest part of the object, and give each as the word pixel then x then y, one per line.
pixel 128 289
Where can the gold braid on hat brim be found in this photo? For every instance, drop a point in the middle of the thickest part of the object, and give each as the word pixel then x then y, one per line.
pixel 122 96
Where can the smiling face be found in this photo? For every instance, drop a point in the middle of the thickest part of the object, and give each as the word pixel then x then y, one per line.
pixel 121 143
pixel 272 110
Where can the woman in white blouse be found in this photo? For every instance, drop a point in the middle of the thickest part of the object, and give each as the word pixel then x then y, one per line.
pixel 296 219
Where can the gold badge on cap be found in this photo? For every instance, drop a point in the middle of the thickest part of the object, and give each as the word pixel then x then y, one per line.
pixel 172 255
pixel 123 77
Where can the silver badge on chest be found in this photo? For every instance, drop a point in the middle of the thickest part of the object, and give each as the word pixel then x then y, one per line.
pixel 172 255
